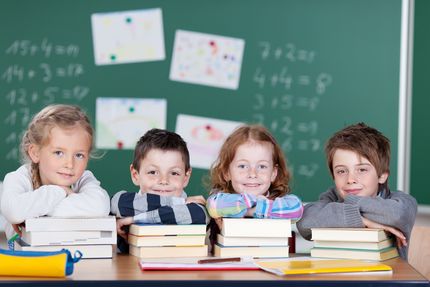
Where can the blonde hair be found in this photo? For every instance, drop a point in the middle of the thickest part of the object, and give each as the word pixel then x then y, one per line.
pixel 241 135
pixel 37 133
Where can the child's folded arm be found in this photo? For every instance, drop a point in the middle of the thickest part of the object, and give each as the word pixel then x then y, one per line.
pixel 125 203
pixel 190 213
pixel 17 204
pixel 288 207
pixel 229 204
pixel 328 214
pixel 398 211
pixel 88 199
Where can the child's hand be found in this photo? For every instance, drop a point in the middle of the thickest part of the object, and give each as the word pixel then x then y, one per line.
pixel 218 222
pixel 18 228
pixel 401 239
pixel 196 199
pixel 250 212
pixel 123 222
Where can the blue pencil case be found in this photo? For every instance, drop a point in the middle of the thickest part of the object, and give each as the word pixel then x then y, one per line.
pixel 37 263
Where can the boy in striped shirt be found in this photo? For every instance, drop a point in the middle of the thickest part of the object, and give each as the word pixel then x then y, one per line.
pixel 161 168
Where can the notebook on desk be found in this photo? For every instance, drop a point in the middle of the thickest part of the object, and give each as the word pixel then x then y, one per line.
pixel 315 266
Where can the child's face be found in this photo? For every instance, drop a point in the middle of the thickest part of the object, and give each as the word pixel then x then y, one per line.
pixel 355 175
pixel 252 170
pixel 64 158
pixel 161 172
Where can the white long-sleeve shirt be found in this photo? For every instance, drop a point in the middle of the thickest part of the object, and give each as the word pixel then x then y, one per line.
pixel 20 201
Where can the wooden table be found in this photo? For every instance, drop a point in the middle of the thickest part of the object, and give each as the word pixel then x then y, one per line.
pixel 123 270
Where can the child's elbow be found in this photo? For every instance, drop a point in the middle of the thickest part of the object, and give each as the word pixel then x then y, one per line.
pixel 304 230
pixel 11 212
pixel 12 216
pixel 103 210
pixel 213 213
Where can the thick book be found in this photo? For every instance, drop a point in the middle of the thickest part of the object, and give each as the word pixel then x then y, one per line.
pixel 256 227
pixel 355 245
pixel 252 241
pixel 35 238
pixel 166 240
pixel 310 266
pixel 251 251
pixel 377 255
pixel 349 234
pixel 167 229
pixel 46 223
pixel 88 251
pixel 169 251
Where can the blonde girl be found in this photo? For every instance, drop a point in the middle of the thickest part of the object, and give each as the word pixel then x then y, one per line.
pixel 53 179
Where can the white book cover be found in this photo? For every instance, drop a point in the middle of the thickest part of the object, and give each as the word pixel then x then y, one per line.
pixel 251 251
pixel 252 241
pixel 256 227
pixel 46 223
pixel 35 238
pixel 88 251
pixel 140 229
pixel 349 234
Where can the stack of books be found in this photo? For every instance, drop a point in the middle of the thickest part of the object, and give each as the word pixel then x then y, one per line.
pixel 353 243
pixel 93 237
pixel 252 237
pixel 161 241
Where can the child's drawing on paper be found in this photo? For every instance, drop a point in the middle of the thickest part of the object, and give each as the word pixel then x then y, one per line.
pixel 207 59
pixel 128 36
pixel 120 122
pixel 204 137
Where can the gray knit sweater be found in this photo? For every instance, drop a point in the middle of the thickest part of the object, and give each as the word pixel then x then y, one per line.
pixel 396 209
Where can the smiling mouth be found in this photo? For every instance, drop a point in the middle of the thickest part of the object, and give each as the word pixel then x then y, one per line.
pixel 353 191
pixel 252 184
pixel 65 174
pixel 162 191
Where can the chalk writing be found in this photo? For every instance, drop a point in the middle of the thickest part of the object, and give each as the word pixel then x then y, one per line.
pixel 39 73
pixel 288 93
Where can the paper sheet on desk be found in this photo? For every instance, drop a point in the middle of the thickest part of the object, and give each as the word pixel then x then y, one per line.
pixel 306 265
pixel 188 264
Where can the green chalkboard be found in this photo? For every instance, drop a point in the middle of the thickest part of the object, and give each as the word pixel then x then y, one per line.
pixel 420 102
pixel 309 68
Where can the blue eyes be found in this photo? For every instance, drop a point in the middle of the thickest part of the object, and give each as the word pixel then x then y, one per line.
pixel 80 155
pixel 60 154
pixel 261 166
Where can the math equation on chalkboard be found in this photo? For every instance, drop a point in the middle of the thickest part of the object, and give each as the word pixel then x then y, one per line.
pixel 39 73
pixel 288 92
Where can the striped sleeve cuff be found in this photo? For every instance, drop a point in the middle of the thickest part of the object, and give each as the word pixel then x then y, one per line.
pixel 263 208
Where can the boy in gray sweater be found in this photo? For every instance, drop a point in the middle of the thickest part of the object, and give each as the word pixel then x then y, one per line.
pixel 358 158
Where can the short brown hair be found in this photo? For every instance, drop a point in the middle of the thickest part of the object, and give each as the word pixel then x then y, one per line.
pixel 365 141
pixel 163 140
pixel 241 135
